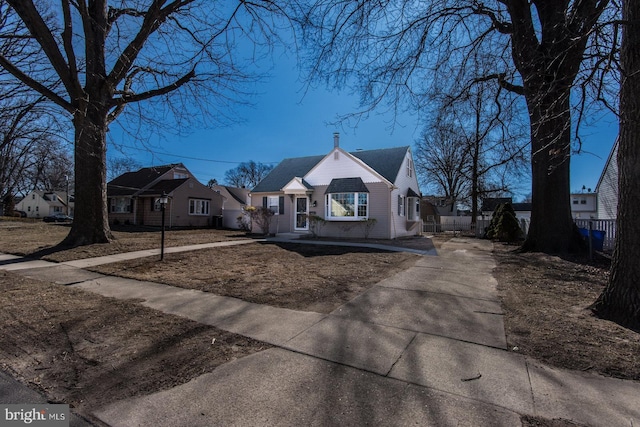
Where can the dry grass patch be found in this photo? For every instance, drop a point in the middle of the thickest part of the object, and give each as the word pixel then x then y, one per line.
pixel 291 275
pixel 39 239
pixel 87 350
pixel 546 300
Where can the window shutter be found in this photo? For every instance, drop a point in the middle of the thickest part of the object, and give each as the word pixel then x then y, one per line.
pixel 281 205
pixel 264 202
pixel 399 204
pixel 131 205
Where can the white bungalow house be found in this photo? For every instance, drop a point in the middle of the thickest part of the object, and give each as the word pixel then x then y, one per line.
pixel 372 193
pixel 38 204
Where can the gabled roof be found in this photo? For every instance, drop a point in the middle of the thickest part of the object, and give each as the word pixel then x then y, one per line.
pixel 386 162
pixel 54 198
pixel 130 183
pixel 164 186
pixel 239 194
pixel 347 185
pixel 285 171
pixel 614 150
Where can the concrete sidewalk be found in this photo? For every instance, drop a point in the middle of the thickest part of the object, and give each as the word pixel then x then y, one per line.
pixel 426 346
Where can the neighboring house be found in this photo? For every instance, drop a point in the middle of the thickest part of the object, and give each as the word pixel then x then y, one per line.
pixel 234 202
pixel 489 205
pixel 584 205
pixel 607 187
pixel 133 198
pixel 39 204
pixel 438 206
pixel 371 193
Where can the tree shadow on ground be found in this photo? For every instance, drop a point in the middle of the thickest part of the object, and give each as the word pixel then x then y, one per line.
pixel 308 250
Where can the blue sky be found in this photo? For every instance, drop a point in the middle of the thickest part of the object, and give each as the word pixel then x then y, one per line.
pixel 285 122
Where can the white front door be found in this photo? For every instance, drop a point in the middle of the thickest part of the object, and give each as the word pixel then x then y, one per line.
pixel 302 213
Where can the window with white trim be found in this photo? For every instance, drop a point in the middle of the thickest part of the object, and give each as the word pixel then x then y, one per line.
pixel 346 206
pixel 198 207
pixel 120 204
pixel 401 205
pixel 273 204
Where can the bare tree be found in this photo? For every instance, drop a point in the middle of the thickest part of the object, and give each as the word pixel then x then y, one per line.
pixel 539 49
pixel 30 133
pixel 116 166
pixel 247 174
pixel 442 161
pixel 103 56
pixel 620 300
pixel 29 140
pixel 52 168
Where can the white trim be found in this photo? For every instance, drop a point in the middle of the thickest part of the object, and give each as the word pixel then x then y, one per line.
pixel 356 207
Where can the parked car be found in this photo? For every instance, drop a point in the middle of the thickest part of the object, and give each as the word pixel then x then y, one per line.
pixel 19 214
pixel 57 217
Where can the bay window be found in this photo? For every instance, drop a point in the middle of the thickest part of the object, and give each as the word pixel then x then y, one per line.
pixel 347 206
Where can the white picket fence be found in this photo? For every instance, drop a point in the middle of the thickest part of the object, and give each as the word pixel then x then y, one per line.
pixel 456 224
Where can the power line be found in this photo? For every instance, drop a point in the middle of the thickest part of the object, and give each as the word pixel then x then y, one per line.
pixel 184 157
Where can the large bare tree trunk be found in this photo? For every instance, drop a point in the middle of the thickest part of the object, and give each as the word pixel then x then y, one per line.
pixel 91 221
pixel 551 229
pixel 620 300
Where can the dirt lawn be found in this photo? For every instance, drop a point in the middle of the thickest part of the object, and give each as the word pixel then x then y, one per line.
pixel 88 350
pixel 290 275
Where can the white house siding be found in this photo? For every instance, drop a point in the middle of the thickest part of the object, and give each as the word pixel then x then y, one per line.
pixel 340 166
pixel 36 206
pixel 583 205
pixel 608 188
pixel 403 181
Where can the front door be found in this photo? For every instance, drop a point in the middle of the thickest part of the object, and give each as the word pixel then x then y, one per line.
pixel 302 212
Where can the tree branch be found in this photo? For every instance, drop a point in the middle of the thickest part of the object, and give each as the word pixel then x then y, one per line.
pixel 127 98
pixel 154 17
pixel 38 87
pixel 38 28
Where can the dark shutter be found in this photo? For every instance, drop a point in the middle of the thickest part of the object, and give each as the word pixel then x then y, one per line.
pixel 131 205
pixel 264 202
pixel 281 205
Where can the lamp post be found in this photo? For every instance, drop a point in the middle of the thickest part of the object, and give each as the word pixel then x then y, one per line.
pixel 163 201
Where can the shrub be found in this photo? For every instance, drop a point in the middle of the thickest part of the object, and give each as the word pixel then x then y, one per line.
pixel 504 225
pixel 316 223
pixel 368 225
pixel 262 217
pixel 244 220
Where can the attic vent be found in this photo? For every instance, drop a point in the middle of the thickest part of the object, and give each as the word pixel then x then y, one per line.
pixel 336 155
